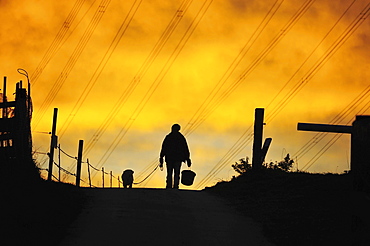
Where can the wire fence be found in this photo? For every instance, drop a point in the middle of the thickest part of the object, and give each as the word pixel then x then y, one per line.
pixel 89 166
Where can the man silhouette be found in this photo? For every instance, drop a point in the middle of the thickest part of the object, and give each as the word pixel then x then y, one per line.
pixel 175 150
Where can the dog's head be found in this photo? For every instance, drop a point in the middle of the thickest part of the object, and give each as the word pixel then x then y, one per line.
pixel 128 172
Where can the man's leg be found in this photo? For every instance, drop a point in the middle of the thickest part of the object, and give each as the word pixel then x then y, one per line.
pixel 169 166
pixel 176 178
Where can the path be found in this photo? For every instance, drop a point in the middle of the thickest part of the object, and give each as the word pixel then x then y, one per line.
pixel 160 217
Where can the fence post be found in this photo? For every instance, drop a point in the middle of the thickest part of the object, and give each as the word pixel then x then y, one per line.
pixel 52 144
pixel 88 171
pixel 79 161
pixel 102 170
pixel 5 109
pixel 111 176
pixel 59 162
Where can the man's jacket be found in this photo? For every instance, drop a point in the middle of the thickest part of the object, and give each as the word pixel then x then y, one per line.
pixel 175 147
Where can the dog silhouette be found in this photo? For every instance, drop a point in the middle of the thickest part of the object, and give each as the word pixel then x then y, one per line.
pixel 127 178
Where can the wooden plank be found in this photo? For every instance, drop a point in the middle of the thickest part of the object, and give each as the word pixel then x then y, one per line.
pixel 324 128
pixel 7 104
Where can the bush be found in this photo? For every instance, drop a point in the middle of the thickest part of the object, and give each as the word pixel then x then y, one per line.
pixel 243 165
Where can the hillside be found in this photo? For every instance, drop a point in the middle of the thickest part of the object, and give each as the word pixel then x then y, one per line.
pixel 294 208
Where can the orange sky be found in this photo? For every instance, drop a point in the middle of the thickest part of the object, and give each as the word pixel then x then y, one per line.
pixel 133 69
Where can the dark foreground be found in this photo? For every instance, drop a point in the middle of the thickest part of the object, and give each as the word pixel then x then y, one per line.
pixel 38 212
pixel 293 209
pixel 297 208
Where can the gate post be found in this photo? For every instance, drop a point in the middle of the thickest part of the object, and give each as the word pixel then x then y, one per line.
pixel 360 153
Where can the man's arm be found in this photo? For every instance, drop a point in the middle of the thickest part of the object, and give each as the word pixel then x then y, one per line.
pixel 163 152
pixel 187 153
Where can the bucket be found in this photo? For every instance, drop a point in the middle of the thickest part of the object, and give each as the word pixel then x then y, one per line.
pixel 187 177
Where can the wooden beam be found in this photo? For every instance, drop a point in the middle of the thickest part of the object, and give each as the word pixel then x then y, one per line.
pixel 7 104
pixel 324 128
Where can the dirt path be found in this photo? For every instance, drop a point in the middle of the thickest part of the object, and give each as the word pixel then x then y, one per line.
pixel 160 217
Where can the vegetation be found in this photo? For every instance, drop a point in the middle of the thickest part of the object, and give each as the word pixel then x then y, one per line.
pixel 244 166
pixel 294 208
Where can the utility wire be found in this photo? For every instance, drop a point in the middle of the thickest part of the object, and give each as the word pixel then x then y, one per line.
pixel 57 41
pixel 320 63
pixel 140 74
pixel 330 143
pixel 347 111
pixel 157 81
pixel 221 97
pixel 120 33
pixel 313 71
pixel 247 46
pixel 72 60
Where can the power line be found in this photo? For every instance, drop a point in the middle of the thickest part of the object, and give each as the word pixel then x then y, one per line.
pixel 120 33
pixel 239 145
pixel 221 97
pixel 230 70
pixel 320 63
pixel 312 72
pixel 140 74
pixel 72 60
pixel 57 41
pixel 166 34
pixel 157 81
pixel 333 140
pixel 211 102
pixel 348 110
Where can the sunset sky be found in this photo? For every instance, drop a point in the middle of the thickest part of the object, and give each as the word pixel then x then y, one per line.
pixel 122 72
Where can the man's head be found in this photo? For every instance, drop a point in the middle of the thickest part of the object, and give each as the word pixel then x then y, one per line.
pixel 175 128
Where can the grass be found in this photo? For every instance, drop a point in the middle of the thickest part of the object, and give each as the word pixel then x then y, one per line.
pixel 293 208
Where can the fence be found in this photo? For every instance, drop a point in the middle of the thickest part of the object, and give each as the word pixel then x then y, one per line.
pixel 78 178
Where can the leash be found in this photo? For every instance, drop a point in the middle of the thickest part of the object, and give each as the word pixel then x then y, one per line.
pixel 147 176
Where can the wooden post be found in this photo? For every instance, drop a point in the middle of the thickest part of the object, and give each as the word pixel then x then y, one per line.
pixel 102 171
pixel 5 142
pixel 360 142
pixel 111 178
pixel 5 109
pixel 79 162
pixel 52 144
pixel 88 171
pixel 360 153
pixel 59 162
pixel 257 141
